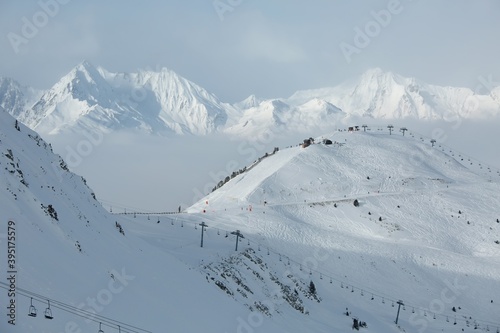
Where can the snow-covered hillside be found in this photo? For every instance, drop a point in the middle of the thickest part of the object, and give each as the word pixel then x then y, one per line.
pixel 425 231
pixel 71 253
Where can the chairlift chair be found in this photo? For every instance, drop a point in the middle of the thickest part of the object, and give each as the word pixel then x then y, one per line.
pixel 48 311
pixel 32 310
pixel 100 330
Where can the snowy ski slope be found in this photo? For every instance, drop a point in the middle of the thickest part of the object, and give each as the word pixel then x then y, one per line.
pixel 295 210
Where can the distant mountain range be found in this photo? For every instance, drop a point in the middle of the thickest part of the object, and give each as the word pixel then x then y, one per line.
pixel 90 98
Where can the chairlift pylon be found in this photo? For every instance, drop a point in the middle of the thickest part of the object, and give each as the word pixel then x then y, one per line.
pixel 48 311
pixel 32 310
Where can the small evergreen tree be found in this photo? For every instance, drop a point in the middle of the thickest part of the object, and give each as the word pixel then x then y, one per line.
pixel 312 288
pixel 355 324
pixel 356 203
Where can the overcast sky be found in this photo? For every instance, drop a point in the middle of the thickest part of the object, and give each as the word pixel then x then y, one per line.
pixel 270 48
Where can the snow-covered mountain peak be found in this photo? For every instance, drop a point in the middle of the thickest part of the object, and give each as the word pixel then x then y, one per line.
pixel 15 97
pixel 90 98
pixel 385 95
pixel 378 77
pixel 88 70
pixel 249 102
pixel 85 83
pixel 275 105
pixel 80 92
pixel 318 104
pixel 162 101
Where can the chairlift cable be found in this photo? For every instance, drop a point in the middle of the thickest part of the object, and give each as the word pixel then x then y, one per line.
pixel 112 323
